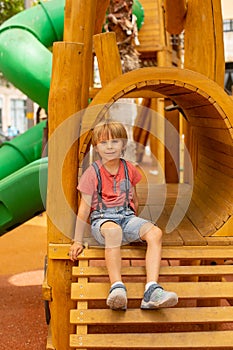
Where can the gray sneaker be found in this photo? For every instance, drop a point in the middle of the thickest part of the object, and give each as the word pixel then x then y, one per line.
pixel 117 298
pixel 156 297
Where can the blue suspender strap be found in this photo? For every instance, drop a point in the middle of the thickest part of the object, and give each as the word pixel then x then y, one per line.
pixel 99 186
pixel 127 185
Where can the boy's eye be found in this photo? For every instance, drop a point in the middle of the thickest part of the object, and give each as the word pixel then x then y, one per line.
pixel 115 141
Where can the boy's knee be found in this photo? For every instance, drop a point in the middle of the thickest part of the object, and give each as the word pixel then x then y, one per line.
pixel 153 234
pixel 112 234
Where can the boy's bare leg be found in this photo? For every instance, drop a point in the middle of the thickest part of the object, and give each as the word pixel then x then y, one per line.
pixel 154 296
pixel 112 232
pixel 153 236
pixel 113 236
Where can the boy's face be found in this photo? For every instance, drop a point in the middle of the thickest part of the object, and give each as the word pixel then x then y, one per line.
pixel 109 149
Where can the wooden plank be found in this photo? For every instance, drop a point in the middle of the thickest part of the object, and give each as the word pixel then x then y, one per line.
pixel 191 99
pixel 169 239
pixel 150 33
pixel 208 122
pixel 211 200
pixel 82 305
pixel 189 234
pixel 203 270
pixel 175 12
pixel 64 102
pixel 79 26
pixel 186 76
pixel 172 239
pixel 209 216
pixel 185 290
pixel 217 157
pixel 222 135
pixel 217 240
pixel 108 56
pixel 204 41
pixel 215 145
pixel 194 340
pixel 202 111
pixel 61 251
pixel 156 194
pixel 221 178
pixel 100 16
pixel 218 166
pixel 49 342
pixel 211 189
pixel 136 316
pixel 207 205
pixel 198 219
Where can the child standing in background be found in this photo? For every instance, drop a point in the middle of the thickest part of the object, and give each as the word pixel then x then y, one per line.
pixel 108 195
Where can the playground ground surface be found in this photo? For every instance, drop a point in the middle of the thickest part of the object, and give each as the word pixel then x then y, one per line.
pixel 22 319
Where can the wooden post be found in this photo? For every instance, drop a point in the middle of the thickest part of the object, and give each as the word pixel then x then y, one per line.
pixel 79 27
pixel 160 130
pixel 101 10
pixel 108 57
pixel 175 11
pixel 64 101
pixel 172 142
pixel 204 51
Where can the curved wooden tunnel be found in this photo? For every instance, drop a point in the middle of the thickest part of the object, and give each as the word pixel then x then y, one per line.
pixel 209 110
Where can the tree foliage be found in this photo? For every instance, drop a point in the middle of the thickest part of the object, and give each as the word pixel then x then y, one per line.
pixel 9 8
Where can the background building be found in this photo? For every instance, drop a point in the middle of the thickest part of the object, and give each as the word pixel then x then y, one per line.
pixel 227 12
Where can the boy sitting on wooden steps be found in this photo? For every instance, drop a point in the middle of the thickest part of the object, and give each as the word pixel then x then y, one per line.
pixel 108 195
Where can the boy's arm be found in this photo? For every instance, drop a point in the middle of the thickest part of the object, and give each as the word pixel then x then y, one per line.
pixel 82 216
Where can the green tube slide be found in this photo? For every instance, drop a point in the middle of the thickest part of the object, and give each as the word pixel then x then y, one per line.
pixel 23 178
pixel 25 40
pixel 23 195
pixel 22 150
pixel 26 61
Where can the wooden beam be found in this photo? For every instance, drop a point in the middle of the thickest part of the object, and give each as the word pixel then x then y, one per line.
pixel 101 10
pixel 64 101
pixel 108 57
pixel 79 27
pixel 175 11
pixel 204 51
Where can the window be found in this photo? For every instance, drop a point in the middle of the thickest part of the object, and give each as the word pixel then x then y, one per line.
pixel 18 115
pixel 228 25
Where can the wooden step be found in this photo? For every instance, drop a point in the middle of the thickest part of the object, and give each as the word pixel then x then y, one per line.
pixel 185 290
pixel 203 270
pixel 61 251
pixel 188 340
pixel 163 316
pixel 202 319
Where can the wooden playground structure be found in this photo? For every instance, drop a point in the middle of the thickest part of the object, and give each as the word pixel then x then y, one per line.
pixel 198 249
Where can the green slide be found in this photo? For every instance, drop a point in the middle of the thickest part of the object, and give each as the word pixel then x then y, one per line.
pixel 21 150
pixel 23 178
pixel 23 194
pixel 26 40
pixel 25 43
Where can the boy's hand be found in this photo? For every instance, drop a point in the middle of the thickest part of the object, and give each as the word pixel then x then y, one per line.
pixel 75 250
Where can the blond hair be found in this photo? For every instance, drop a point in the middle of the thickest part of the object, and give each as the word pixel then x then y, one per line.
pixel 109 129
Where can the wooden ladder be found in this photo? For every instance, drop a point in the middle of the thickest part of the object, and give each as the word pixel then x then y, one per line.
pixel 203 318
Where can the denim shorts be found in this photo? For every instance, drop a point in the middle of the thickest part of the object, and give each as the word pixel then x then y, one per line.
pixel 124 217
